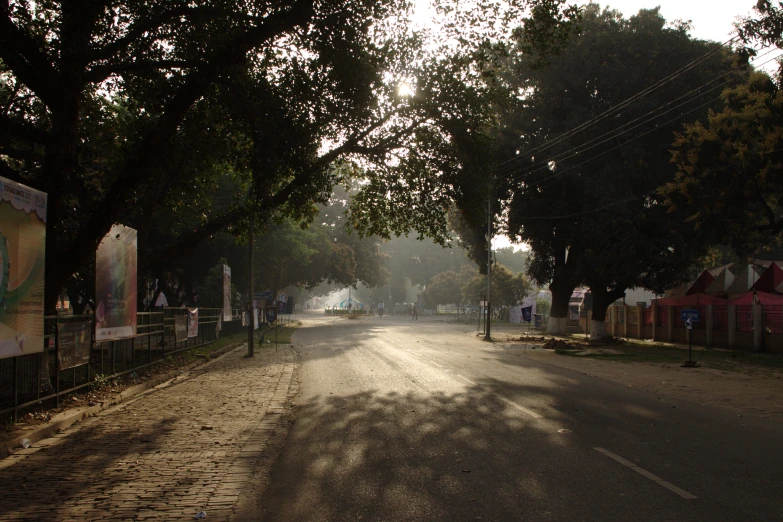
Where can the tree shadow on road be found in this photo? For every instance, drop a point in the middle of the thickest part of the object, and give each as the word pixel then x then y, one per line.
pixel 463 456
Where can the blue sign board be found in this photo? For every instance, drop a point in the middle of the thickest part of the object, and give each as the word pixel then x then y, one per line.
pixel 263 295
pixel 693 315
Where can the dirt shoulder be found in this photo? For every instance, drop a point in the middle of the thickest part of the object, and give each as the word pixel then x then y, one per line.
pixel 749 384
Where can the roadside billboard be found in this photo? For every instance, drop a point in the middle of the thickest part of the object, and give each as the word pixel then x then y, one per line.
pixel 115 285
pixel 22 249
pixel 74 342
pixel 180 328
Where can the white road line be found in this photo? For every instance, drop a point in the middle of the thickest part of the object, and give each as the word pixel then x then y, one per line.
pixel 466 380
pixel 438 365
pixel 643 472
pixel 520 408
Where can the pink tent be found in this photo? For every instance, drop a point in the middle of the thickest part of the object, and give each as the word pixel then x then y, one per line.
pixel 691 300
pixel 763 298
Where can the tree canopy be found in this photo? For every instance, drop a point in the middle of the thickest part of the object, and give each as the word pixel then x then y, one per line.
pixel 506 289
pixel 581 163
pixel 177 118
pixel 730 169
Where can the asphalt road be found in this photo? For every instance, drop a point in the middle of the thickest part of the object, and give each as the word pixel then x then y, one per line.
pixel 401 420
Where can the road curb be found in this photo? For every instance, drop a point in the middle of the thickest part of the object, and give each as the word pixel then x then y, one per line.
pixel 69 418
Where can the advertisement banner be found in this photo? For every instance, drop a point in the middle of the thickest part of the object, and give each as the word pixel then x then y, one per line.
pixel 74 342
pixel 255 319
pixel 180 328
pixel 22 253
pixel 271 314
pixel 192 322
pixel 115 285
pixel 226 293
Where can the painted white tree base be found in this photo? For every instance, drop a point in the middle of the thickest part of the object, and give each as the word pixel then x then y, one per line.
pixel 597 330
pixel 557 325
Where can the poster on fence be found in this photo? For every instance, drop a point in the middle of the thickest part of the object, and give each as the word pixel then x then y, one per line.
pixel 22 253
pixel 115 285
pixel 74 342
pixel 226 293
pixel 180 328
pixel 192 322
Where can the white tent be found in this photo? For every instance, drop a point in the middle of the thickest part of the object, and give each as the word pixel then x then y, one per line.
pixel 723 280
pixel 745 278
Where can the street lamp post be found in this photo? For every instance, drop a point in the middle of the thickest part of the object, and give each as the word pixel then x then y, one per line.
pixel 487 336
pixel 250 311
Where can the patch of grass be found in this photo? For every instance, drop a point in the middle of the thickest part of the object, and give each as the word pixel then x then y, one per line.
pixel 284 334
pixel 726 360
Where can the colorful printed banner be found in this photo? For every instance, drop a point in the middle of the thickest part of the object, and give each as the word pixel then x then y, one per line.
pixel 74 342
pixel 115 285
pixel 192 322
pixel 180 328
pixel 226 293
pixel 22 254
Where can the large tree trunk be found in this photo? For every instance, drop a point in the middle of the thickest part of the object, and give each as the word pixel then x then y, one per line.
pixel 561 296
pixel 602 298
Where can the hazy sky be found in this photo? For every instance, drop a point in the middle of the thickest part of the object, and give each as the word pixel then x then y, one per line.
pixel 711 19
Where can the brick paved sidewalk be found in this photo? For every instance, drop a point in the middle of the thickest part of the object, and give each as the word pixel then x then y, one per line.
pixel 166 455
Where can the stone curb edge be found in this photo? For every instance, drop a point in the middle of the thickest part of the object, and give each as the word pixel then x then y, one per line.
pixel 51 429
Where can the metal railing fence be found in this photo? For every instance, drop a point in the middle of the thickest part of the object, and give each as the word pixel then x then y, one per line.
pixel 30 379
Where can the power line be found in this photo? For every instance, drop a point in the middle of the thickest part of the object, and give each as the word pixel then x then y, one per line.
pixel 622 104
pixel 633 198
pixel 558 157
pixel 618 134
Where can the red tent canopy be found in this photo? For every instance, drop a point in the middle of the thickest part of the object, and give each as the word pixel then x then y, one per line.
pixel 691 300
pixel 769 280
pixel 743 300
pixel 763 297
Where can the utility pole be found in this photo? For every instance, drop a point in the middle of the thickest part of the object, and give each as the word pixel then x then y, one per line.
pixel 487 336
pixel 250 310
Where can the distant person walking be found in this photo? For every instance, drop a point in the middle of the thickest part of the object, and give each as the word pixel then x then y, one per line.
pixel 380 309
pixel 414 313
